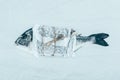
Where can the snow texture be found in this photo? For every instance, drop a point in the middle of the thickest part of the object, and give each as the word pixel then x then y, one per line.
pixel 92 62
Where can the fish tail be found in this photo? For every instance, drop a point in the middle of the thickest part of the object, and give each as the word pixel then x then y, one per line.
pixel 99 39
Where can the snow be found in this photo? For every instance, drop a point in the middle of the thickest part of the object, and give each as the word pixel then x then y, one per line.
pixel 92 62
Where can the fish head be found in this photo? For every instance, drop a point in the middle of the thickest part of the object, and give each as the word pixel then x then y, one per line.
pixel 25 38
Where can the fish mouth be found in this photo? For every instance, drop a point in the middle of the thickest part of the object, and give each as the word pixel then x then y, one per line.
pixel 22 42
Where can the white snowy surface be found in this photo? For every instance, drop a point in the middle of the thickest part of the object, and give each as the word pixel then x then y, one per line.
pixel 92 62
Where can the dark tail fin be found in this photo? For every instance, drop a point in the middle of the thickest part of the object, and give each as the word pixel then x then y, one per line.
pixel 99 39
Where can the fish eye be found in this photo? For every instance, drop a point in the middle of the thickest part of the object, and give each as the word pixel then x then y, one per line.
pixel 24 36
